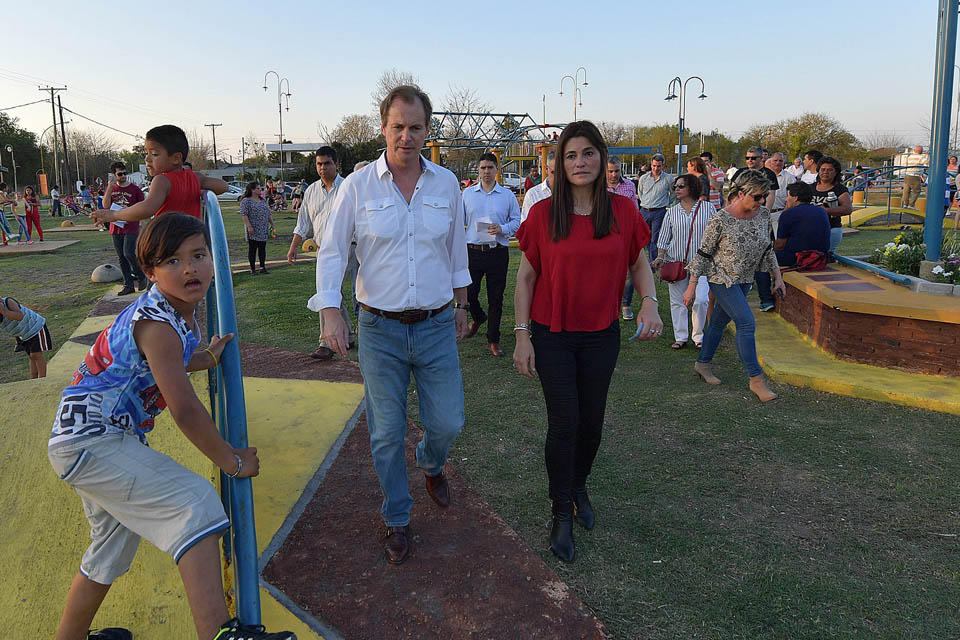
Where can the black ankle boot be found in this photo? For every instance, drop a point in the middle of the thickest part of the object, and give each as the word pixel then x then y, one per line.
pixel 582 509
pixel 561 533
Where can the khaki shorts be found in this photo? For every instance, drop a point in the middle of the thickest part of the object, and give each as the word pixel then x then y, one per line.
pixel 129 491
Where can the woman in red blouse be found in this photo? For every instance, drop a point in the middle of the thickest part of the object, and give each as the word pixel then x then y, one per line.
pixel 576 246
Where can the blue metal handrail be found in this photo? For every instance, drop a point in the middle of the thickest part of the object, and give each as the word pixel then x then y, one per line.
pixel 232 420
pixel 872 268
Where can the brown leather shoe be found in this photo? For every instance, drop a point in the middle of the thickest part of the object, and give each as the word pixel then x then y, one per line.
pixel 322 353
pixel 397 544
pixel 472 329
pixel 495 349
pixel 439 489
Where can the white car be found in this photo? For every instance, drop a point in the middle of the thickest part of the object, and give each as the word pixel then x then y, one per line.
pixel 232 194
pixel 512 181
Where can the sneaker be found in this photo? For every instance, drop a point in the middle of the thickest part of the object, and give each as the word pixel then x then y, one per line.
pixel 627 313
pixel 111 633
pixel 127 290
pixel 766 306
pixel 233 630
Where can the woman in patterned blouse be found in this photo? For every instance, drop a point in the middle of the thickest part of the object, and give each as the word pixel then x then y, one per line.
pixel 737 243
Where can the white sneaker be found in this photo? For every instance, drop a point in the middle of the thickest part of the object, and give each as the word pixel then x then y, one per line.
pixel 627 313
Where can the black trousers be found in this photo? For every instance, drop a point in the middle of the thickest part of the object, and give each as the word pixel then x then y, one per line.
pixel 255 247
pixel 493 265
pixel 125 244
pixel 575 368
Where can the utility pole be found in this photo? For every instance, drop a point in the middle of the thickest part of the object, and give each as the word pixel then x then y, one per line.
pixel 53 112
pixel 63 132
pixel 243 157
pixel 213 128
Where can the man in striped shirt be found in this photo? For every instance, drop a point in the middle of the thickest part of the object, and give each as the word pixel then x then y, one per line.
pixel 616 183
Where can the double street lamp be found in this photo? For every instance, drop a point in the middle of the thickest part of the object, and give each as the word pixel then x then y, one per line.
pixel 280 95
pixel 677 85
pixel 577 95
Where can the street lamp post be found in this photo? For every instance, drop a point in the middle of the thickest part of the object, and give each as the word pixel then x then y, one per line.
pixel 577 94
pixel 280 96
pixel 681 85
pixel 13 161
pixel 957 111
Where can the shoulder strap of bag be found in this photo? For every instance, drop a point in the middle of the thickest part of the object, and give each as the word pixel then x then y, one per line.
pixel 686 254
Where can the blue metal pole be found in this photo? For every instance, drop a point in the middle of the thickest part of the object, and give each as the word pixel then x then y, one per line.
pixel 940 126
pixel 241 489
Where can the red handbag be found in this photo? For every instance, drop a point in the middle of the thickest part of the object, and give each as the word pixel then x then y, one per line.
pixel 677 271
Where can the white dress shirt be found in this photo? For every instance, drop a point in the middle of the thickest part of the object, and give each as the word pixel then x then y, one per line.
pixel 497 207
pixel 412 256
pixel 315 209
pixel 810 177
pixel 795 171
pixel 780 199
pixel 532 197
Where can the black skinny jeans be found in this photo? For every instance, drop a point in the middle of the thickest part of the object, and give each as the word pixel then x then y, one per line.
pixel 575 369
pixel 255 247
pixel 125 244
pixel 494 265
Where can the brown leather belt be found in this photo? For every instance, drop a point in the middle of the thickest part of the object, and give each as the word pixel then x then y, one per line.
pixel 484 247
pixel 412 316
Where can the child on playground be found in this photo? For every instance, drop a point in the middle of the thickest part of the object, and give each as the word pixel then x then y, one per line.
pixel 137 367
pixel 6 204
pixel 30 330
pixel 173 188
pixel 31 205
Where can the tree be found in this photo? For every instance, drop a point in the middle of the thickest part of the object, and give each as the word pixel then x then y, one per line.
pixel 614 133
pixel 25 151
pixel 794 136
pixel 200 151
pixel 353 129
pixel 389 80
pixel 883 140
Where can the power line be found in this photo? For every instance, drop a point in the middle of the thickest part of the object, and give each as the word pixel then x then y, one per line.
pixel 106 126
pixel 25 104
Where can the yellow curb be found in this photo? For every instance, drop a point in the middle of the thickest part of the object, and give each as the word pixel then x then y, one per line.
pixel 788 356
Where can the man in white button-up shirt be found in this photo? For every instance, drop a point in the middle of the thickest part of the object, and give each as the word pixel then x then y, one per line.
pixel 491 215
pixel 540 192
pixel 314 213
pixel 408 218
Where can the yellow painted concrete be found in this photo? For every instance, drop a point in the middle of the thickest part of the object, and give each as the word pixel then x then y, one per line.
pixel 862 216
pixel 292 422
pixel 893 300
pixel 788 356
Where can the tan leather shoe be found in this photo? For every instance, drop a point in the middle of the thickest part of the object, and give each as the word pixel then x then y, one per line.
pixel 705 371
pixel 759 386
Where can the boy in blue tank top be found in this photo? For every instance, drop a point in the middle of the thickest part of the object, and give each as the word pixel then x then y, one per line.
pixel 30 330
pixel 136 368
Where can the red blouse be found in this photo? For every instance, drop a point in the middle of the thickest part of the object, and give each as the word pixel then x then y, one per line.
pixel 580 279
pixel 184 196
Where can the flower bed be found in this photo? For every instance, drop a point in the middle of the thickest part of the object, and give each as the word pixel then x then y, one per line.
pixel 908 249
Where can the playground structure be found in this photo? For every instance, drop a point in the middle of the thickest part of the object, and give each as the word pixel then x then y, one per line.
pixel 511 137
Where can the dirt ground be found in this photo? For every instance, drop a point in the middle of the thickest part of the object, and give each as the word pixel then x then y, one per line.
pixel 468 576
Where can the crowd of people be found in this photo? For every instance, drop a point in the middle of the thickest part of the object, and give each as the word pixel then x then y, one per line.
pixel 418 249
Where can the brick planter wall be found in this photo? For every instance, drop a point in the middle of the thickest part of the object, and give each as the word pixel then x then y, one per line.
pixel 917 346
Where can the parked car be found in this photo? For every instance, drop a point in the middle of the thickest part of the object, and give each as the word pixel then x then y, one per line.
pixel 512 181
pixel 232 194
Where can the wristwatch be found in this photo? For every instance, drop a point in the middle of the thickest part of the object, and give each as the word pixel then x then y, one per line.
pixel 654 298
pixel 460 305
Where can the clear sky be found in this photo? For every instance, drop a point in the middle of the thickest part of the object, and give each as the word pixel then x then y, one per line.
pixel 868 64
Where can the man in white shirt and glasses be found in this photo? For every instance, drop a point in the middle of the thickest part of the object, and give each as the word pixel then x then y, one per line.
pixel 491 215
pixel 412 283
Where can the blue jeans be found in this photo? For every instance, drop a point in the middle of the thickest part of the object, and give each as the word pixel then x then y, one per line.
pixel 731 303
pixel 389 352
pixel 764 290
pixel 627 291
pixel 654 220
pixel 836 237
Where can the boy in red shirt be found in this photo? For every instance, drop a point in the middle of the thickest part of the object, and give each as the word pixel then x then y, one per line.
pixel 173 187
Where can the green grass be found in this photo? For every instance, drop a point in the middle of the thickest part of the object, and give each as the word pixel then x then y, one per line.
pixel 817 516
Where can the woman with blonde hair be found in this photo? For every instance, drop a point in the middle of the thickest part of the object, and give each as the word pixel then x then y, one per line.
pixel 737 243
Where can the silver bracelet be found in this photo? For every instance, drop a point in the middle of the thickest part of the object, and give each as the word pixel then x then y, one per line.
pixel 239 467
pixel 522 326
